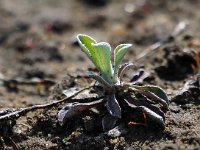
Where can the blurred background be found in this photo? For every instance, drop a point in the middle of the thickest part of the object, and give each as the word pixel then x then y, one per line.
pixel 40 35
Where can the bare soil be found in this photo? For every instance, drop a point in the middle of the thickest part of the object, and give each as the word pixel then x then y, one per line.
pixel 37 40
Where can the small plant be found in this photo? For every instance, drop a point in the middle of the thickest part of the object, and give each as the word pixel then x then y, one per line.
pixel 110 78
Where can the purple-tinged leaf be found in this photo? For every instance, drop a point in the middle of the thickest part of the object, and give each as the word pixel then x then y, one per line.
pixel 155 117
pixel 123 68
pixel 151 114
pixel 72 109
pixel 155 93
pixel 145 103
pixel 113 106
pixel 154 98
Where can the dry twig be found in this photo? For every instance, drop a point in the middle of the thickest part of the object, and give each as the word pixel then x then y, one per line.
pixel 12 113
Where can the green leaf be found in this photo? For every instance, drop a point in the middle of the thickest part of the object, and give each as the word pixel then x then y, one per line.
pixel 119 53
pixel 85 43
pixel 154 92
pixel 99 54
pixel 101 58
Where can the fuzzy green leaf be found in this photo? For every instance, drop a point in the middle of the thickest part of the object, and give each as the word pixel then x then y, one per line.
pixel 85 43
pixel 99 54
pixel 119 53
pixel 101 58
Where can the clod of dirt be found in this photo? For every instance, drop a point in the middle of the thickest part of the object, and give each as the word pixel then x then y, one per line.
pixel 97 22
pixel 17 28
pixel 43 53
pixel 177 66
pixel 4 36
pixel 97 3
pixel 190 93
pixel 22 26
pixel 188 37
pixel 28 74
pixel 24 45
pixel 57 26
